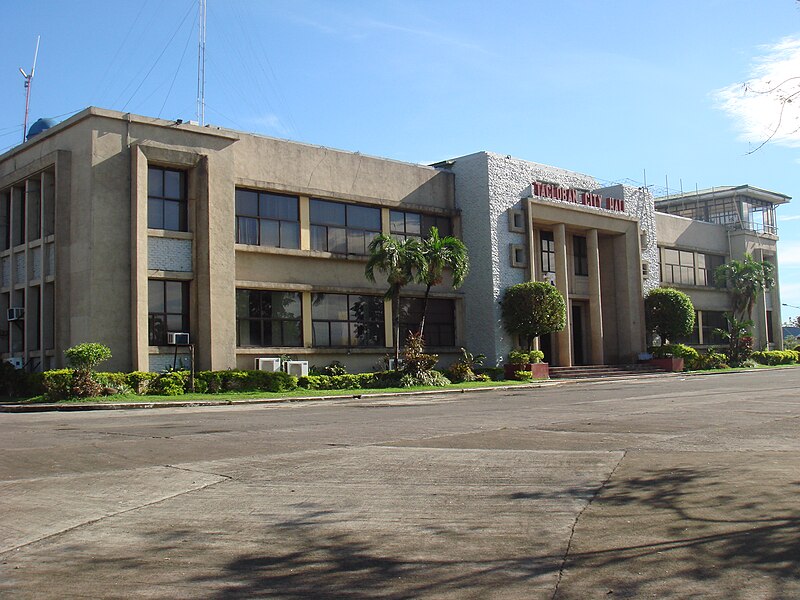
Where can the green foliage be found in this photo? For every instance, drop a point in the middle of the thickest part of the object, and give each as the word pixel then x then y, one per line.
pixel 139 381
pixel 347 381
pixel 669 313
pixel 739 338
pixel 428 378
pixel 744 279
pixel 711 359
pixel 214 382
pixel 172 383
pixel 415 362
pixel 18 383
pixel 57 384
pixel 334 368
pixel 533 309
pixel 535 356
pixel 519 357
pixel 85 357
pixel 523 375
pixel 776 357
pixel 491 373
pixel 675 351
pixel 464 368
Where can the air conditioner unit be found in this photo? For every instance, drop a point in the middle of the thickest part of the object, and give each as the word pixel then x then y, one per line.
pixel 298 368
pixel 268 364
pixel 177 339
pixel 16 314
pixel 16 361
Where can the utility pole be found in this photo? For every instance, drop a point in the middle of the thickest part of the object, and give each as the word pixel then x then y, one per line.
pixel 201 67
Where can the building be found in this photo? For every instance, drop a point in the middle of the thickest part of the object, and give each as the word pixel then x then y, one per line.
pixel 124 229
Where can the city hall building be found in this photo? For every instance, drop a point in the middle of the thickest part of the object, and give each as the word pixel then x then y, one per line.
pixel 126 230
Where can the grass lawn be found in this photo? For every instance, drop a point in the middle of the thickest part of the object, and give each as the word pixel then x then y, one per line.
pixel 244 396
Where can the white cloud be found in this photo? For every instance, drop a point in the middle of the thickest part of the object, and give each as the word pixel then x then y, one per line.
pixel 767 106
pixel 271 123
pixel 789 218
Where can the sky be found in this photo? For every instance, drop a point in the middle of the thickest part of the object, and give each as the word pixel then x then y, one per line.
pixel 682 94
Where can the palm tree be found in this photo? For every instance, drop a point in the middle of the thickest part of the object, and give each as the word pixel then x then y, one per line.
pixel 401 261
pixel 440 253
pixel 744 279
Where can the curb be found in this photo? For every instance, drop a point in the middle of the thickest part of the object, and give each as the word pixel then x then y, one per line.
pixel 33 408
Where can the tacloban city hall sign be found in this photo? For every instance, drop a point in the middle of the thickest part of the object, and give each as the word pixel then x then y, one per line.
pixel 565 194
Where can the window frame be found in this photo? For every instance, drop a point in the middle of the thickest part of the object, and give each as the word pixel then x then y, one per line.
pixel 241 217
pixel 153 338
pixel 580 256
pixel 265 322
pixel 436 329
pixel 547 252
pixel 348 229
pixel 378 322
pixel 162 200
pixel 443 224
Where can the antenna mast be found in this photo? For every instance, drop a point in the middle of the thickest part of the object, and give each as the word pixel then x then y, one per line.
pixel 201 67
pixel 28 79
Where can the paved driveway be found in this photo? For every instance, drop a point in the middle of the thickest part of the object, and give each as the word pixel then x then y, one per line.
pixel 665 487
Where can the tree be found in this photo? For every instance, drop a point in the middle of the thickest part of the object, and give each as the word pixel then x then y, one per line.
pixel 744 279
pixel 669 313
pixel 401 261
pixel 83 359
pixel 533 309
pixel 440 253
pixel 738 336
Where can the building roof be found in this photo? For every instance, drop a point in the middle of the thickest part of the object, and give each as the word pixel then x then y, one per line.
pixel 728 191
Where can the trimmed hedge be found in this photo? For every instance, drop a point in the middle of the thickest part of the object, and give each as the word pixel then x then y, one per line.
pixel 687 353
pixel 776 357
pixel 350 381
pixel 213 382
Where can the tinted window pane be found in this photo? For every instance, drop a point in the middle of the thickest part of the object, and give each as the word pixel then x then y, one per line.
pixel 413 224
pixel 174 296
pixel 364 218
pixel 339 333
pixel 246 203
pixel 319 238
pixel 337 240
pixel 175 323
pixel 248 231
pixel 355 242
pixel 329 306
pixel 173 184
pixel 172 215
pixel 158 329
pixel 155 213
pixel 291 333
pixel 270 233
pixel 155 296
pixel 290 235
pixel 320 334
pixel 286 305
pixel 397 221
pixel 155 184
pixel 327 213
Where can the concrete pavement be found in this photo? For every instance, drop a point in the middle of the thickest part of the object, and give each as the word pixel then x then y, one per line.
pixel 666 488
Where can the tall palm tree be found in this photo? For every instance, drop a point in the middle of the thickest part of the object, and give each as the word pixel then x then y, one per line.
pixel 744 279
pixel 401 261
pixel 440 253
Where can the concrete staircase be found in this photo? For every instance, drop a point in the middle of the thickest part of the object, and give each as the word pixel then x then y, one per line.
pixel 602 371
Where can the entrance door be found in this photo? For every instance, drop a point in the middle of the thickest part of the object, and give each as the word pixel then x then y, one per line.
pixel 546 346
pixel 578 354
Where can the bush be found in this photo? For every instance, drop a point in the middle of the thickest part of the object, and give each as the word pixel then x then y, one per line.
pixel 491 373
pixel 533 309
pixel 57 384
pixel 85 357
pixel 432 378
pixel 172 383
pixel 687 353
pixel 776 357
pixel 214 382
pixel 669 313
pixel 518 357
pixel 710 360
pixel 18 383
pixel 355 381
pixel 139 381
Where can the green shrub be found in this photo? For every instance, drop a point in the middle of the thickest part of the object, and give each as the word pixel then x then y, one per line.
pixel 533 309
pixel 711 359
pixel 139 381
pixel 214 382
pixel 432 378
pixel 172 383
pixel 57 384
pixel 669 313
pixel 523 375
pixel 85 357
pixel 687 353
pixel 775 357
pixel 18 383
pixel 348 381
pixel 492 373
pixel 519 357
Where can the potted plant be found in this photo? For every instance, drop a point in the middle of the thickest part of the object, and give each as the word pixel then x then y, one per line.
pixel 530 362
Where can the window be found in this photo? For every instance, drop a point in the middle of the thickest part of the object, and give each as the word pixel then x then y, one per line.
pixel 707 264
pixel 516 221
pixel 266 318
pixel 166 199
pixel 677 266
pixel 5 220
pixel 347 320
pixel 440 327
pixel 713 320
pixel 410 224
pixel 548 251
pixel 343 228
pixel 580 255
pixel 168 309
pixel 518 256
pixel 266 219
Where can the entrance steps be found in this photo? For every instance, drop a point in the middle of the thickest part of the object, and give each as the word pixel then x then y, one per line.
pixel 600 371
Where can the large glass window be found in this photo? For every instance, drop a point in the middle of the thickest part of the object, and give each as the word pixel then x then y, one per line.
pixel 713 320
pixel 580 255
pixel 440 327
pixel 166 199
pixel 168 309
pixel 267 318
pixel 677 266
pixel 347 320
pixel 410 224
pixel 707 264
pixel 343 228
pixel 267 219
pixel 548 251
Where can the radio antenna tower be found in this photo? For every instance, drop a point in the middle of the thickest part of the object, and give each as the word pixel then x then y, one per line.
pixel 28 79
pixel 201 67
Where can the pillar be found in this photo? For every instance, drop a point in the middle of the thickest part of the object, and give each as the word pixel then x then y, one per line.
pixel 595 301
pixel 563 337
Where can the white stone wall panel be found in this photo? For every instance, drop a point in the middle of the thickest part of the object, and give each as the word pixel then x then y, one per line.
pixel 169 254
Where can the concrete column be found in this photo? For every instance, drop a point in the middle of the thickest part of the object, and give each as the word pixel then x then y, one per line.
pixel 563 337
pixel 305 225
pixel 308 328
pixel 139 285
pixel 388 322
pixel 530 238
pixel 595 300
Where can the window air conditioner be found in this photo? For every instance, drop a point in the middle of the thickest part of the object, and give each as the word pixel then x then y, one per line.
pixel 298 368
pixel 268 364
pixel 16 314
pixel 177 339
pixel 15 361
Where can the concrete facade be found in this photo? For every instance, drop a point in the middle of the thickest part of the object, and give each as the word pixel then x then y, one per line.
pixel 86 258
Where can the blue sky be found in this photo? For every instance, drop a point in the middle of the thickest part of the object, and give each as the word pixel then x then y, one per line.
pixel 619 89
